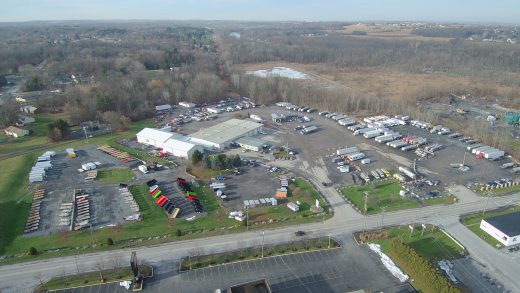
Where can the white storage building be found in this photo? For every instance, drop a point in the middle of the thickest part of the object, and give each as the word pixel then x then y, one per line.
pixel 504 228
pixel 181 148
pixel 153 137
pixel 218 137
pixel 251 143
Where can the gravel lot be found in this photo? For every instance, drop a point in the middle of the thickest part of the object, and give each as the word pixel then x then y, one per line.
pixel 107 207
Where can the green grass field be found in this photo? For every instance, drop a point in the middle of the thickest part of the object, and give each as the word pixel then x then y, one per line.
pixel 472 222
pixel 113 176
pixel 433 244
pixel 380 194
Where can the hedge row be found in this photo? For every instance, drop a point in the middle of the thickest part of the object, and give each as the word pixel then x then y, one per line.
pixel 424 275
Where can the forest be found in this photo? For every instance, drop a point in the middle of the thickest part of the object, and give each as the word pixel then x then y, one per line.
pixel 89 69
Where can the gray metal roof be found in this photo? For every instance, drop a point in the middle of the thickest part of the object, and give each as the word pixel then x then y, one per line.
pixel 226 131
pixel 508 224
pixel 251 141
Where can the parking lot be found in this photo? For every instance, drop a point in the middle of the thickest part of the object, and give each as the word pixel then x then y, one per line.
pixel 106 205
pixel 254 182
pixel 337 270
pixel 316 148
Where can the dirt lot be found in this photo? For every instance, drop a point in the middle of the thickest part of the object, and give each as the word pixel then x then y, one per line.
pixel 107 207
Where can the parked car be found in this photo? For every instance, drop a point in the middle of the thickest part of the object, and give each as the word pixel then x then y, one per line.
pixel 299 233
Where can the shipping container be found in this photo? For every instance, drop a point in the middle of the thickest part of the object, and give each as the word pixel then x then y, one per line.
pixel 343 152
pixel 372 134
pixel 356 156
pixel 409 147
pixel 408 172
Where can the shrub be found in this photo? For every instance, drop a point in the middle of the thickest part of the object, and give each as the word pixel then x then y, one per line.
pixel 179 232
pixel 33 251
pixel 110 241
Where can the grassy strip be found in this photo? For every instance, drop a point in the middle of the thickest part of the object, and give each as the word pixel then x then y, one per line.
pixel 440 200
pixel 114 176
pixel 500 191
pixel 433 244
pixel 201 261
pixel 380 194
pixel 472 222
pixel 93 278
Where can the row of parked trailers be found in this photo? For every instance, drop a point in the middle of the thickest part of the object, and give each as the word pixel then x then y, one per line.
pixel 82 210
pixel 43 163
pixel 166 204
pixel 33 221
pixel 483 151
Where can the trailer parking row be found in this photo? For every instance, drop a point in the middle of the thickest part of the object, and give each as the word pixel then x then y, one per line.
pixel 33 220
pixel 128 198
pixel 43 164
pixel 82 210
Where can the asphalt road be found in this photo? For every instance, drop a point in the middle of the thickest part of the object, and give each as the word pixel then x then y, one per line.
pixel 23 277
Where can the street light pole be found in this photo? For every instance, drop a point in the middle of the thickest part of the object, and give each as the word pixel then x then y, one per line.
pixel 486 204
pixel 383 217
pixel 365 212
pixel 263 234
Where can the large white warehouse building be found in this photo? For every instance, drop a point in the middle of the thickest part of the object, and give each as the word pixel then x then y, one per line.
pixel 504 228
pixel 153 137
pixel 218 137
pixel 181 148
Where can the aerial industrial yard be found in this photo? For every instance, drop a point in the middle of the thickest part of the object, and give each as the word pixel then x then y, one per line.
pixel 209 156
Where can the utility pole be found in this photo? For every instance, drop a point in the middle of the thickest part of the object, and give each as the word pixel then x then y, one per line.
pixel 85 131
pixel 247 218
pixel 91 236
pixel 77 266
pixel 263 234
pixel 383 217
pixel 365 211
pixel 486 204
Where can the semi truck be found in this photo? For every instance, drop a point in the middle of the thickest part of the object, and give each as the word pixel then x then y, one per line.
pixel 407 172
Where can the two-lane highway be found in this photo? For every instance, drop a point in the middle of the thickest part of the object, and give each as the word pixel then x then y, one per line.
pixel 23 277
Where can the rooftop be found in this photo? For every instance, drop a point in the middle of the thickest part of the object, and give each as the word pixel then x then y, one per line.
pixel 508 224
pixel 251 141
pixel 155 134
pixel 177 144
pixel 259 286
pixel 226 131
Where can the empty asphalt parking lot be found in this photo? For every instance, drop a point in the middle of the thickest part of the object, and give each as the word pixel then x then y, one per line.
pixel 336 270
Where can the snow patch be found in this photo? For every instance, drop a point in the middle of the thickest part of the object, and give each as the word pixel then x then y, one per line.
pixel 280 72
pixel 447 267
pixel 388 263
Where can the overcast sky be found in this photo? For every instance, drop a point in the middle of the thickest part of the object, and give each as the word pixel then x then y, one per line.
pixel 495 11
